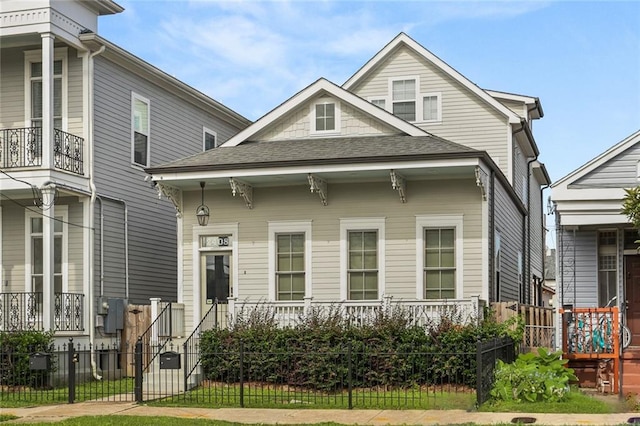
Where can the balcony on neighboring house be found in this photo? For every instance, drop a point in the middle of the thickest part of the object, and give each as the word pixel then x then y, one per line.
pixel 22 147
pixel 23 311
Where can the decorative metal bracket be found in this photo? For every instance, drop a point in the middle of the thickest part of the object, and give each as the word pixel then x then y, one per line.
pixel 173 194
pixel 481 181
pixel 399 183
pixel 244 190
pixel 318 185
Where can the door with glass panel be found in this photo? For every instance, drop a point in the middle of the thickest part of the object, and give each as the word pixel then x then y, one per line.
pixel 216 281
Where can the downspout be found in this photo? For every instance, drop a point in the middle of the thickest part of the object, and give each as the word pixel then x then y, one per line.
pixel 544 242
pixel 525 227
pixel 492 234
pixel 529 222
pixel 92 187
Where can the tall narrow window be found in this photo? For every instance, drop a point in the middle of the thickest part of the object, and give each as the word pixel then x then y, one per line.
pixel 140 130
pixel 362 272
pixel 497 264
pixel 439 263
pixel 607 267
pixel 290 270
pixel 35 73
pixel 37 255
pixel 403 97
pixel 431 108
pixel 209 139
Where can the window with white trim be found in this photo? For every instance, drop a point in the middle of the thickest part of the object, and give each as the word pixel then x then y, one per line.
pixel 607 267
pixel 209 139
pixel 325 116
pixel 431 107
pixel 34 223
pixel 379 102
pixel 362 258
pixel 140 130
pixel 439 259
pixel 33 87
pixel 403 99
pixel 289 260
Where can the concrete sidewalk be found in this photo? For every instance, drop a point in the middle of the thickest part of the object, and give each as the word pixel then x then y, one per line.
pixel 284 416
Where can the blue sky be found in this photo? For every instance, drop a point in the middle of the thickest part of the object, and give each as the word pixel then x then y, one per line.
pixel 582 59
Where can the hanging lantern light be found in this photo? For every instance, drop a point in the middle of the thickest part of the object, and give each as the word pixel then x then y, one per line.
pixel 202 212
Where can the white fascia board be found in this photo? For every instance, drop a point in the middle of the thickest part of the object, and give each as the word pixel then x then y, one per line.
pixel 323 86
pixel 559 195
pixel 598 161
pixel 589 206
pixel 592 218
pixel 337 168
pixel 402 38
pixel 511 96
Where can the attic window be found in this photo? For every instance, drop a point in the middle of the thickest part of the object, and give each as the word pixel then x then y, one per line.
pixel 325 117
pixel 403 98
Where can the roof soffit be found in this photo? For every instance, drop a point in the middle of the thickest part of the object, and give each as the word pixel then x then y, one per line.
pixel 404 39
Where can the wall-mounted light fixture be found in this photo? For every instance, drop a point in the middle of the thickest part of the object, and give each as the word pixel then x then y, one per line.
pixel 202 212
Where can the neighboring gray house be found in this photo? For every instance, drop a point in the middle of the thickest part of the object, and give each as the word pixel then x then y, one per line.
pixel 80 119
pixel 597 258
pixel 408 184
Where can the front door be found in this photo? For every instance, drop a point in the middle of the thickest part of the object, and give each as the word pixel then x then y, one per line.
pixel 632 288
pixel 216 278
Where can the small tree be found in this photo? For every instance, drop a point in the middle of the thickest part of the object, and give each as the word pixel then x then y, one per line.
pixel 631 206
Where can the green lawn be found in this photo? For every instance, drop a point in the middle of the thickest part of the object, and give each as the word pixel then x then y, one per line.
pixel 577 402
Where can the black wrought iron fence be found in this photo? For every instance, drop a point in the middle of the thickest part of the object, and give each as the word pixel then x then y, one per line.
pixel 23 311
pixel 21 147
pixel 68 152
pixel 343 378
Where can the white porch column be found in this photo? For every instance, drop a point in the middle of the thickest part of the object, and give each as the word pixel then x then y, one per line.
pixel 47 100
pixel 48 236
pixel 155 309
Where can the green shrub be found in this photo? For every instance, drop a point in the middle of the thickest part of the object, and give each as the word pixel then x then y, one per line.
pixel 15 349
pixel 386 351
pixel 533 377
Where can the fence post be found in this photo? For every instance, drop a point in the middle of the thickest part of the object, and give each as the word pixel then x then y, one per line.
pixel 479 381
pixel 138 371
pixel 186 366
pixel 350 375
pixel 241 374
pixel 71 367
pixel 170 321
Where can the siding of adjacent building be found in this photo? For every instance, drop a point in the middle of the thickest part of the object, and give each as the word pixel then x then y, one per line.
pixel 176 128
pixel 619 172
pixel 466 119
pixel 362 200
pixel 578 268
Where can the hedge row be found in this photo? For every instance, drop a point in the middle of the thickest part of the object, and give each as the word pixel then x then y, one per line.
pixel 319 351
pixel 15 349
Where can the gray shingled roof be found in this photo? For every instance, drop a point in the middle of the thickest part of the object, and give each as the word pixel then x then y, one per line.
pixel 320 151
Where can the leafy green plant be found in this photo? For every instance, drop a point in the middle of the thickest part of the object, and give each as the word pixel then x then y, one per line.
pixel 15 350
pixel 533 377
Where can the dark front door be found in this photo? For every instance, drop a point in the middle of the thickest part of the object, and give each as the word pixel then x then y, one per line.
pixel 632 288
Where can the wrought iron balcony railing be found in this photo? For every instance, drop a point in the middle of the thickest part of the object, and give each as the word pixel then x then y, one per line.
pixel 23 311
pixel 23 148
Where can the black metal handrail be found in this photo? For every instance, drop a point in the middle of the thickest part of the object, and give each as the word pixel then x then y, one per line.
pixel 154 348
pixel 22 147
pixel 191 346
pixel 23 311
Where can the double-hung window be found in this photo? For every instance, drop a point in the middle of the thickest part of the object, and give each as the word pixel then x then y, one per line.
pixel 140 123
pixel 607 267
pixel 403 97
pixel 36 253
pixel 34 85
pixel 362 258
pixel 439 256
pixel 289 260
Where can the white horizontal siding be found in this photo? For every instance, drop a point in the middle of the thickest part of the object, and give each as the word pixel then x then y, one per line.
pixel 619 172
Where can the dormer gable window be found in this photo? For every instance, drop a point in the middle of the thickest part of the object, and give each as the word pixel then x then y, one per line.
pixel 325 116
pixel 403 99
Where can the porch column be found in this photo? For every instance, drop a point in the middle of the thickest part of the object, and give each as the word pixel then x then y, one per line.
pixel 48 259
pixel 47 100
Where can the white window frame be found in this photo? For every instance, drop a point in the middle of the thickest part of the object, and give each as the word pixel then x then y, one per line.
pixel 361 224
pixel 438 96
pixel 439 221
pixel 416 99
pixel 378 99
pixel 312 115
pixel 134 97
pixel 206 131
pixel 59 211
pixel 290 227
pixel 35 56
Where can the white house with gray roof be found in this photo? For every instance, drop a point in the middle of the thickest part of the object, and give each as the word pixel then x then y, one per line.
pixel 408 185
